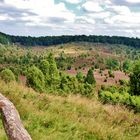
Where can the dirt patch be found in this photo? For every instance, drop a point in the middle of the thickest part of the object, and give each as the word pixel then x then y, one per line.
pixel 100 78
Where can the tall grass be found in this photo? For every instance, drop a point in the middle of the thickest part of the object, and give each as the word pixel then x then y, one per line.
pixel 49 117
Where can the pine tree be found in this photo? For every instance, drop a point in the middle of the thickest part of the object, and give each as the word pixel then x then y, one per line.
pixel 90 77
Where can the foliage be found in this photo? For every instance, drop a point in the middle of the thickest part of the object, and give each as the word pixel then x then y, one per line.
pixel 45 68
pixel 54 40
pixel 3 39
pixel 124 82
pixel 80 77
pixel 127 65
pixel 70 84
pixel 53 71
pixel 7 75
pixel 112 63
pixel 117 98
pixel 90 77
pixel 135 79
pixel 35 78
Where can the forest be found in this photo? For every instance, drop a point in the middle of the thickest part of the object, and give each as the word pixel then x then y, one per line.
pixel 55 40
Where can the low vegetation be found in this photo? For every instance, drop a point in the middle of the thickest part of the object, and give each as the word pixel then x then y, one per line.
pixel 74 91
pixel 73 117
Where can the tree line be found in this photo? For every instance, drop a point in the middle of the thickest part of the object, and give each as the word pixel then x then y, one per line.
pixel 55 40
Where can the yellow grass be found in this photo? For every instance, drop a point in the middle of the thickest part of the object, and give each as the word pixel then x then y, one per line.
pixel 49 117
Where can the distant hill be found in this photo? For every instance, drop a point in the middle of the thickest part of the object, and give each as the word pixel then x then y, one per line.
pixel 55 40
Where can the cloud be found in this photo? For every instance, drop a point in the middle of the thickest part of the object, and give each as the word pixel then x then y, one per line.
pixel 73 1
pixel 84 20
pixel 123 10
pixel 43 10
pixel 133 1
pixel 5 17
pixel 91 6
pixel 99 15
pixel 57 17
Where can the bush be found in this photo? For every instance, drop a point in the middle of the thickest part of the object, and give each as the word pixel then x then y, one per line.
pixel 125 99
pixel 135 79
pixel 35 78
pixel 7 75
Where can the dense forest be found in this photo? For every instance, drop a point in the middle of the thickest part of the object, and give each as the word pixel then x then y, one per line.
pixel 55 40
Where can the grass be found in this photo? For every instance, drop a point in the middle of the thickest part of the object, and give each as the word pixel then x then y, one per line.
pixel 51 117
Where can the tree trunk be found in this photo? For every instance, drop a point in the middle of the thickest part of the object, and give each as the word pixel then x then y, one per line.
pixel 11 121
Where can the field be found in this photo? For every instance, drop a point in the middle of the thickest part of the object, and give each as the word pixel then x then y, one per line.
pixel 74 117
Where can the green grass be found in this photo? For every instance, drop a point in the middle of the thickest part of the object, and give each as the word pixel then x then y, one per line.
pixel 51 117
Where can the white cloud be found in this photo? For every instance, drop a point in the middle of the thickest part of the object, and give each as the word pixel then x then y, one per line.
pixel 43 10
pixel 49 18
pixel 73 1
pixel 133 1
pixel 108 2
pixel 85 20
pixel 99 15
pixel 4 17
pixel 91 6
pixel 123 10
pixel 131 19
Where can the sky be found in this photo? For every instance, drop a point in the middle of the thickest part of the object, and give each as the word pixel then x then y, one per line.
pixel 70 17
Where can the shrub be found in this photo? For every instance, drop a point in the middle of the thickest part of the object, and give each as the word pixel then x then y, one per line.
pixel 135 79
pixel 44 67
pixel 125 99
pixel 35 78
pixel 7 75
pixel 90 77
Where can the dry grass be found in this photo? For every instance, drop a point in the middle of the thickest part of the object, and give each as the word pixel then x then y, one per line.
pixel 74 117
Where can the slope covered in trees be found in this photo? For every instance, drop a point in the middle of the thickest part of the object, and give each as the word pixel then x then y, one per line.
pixel 54 40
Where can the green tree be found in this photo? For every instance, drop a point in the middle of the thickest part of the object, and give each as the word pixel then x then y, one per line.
pixel 112 63
pixel 35 78
pixel 45 68
pixel 90 77
pixel 135 79
pixel 53 71
pixel 126 65
pixel 7 75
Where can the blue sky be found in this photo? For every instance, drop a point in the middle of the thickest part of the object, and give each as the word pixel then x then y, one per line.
pixel 70 17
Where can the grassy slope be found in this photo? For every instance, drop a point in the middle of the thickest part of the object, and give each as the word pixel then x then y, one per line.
pixel 65 118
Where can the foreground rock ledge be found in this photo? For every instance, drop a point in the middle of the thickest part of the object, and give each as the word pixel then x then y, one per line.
pixel 11 121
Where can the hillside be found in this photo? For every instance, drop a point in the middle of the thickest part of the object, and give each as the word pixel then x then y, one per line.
pixel 54 117
pixel 73 91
